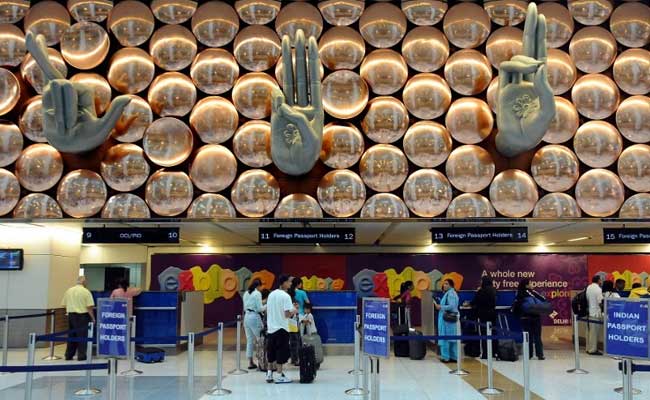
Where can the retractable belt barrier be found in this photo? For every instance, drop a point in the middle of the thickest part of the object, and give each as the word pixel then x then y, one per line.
pixel 46 314
pixel 5 333
pixel 591 321
pixel 456 337
pixel 14 369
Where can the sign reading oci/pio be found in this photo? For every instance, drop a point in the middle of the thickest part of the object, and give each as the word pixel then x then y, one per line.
pixel 113 328
pixel 131 235
pixel 626 328
pixel 375 333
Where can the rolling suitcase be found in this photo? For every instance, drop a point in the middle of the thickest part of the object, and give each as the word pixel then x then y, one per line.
pixel 307 358
pixel 417 348
pixel 260 351
pixel 315 340
pixel 149 354
pixel 294 347
pixel 506 349
pixel 401 348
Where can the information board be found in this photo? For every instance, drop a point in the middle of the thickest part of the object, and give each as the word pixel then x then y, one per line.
pixel 475 234
pixel 375 332
pixel 626 235
pixel 113 337
pixel 300 235
pixel 131 235
pixel 626 328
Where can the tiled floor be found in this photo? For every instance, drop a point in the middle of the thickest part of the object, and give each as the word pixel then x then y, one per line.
pixel 400 379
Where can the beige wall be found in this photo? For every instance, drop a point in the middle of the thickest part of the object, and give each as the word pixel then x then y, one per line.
pixel 51 265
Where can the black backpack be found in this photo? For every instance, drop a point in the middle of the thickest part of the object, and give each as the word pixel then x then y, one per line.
pixel 580 305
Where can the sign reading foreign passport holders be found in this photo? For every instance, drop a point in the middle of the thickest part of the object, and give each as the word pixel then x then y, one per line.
pixel 375 328
pixel 475 234
pixel 626 328
pixel 626 235
pixel 299 235
pixel 113 328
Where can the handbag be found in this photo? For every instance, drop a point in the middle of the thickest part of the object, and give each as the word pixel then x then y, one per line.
pixel 293 326
pixel 449 316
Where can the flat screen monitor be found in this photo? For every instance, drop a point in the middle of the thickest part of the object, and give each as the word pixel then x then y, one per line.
pixel 11 259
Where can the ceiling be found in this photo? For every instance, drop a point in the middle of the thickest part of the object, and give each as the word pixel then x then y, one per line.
pixel 412 232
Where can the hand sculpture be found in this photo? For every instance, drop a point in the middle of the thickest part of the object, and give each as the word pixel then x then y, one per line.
pixel 70 122
pixel 297 114
pixel 526 105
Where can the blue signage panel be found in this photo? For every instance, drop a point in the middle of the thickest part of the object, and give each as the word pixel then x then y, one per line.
pixel 375 330
pixel 626 328
pixel 113 328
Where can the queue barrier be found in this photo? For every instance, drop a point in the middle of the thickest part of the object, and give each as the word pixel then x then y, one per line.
pixel 5 334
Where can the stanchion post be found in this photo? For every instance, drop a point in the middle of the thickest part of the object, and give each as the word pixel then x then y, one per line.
pixel 190 365
pixel 5 340
pixel 219 390
pixel 51 356
pixel 357 348
pixel 366 376
pixel 374 390
pixel 459 353
pixel 29 376
pixel 490 389
pixel 132 371
pixel 238 369
pixel 112 378
pixel 621 389
pixel 526 351
pixel 356 390
pixel 576 349
pixel 88 390
pixel 628 390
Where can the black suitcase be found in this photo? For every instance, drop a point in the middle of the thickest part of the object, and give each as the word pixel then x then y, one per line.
pixel 294 346
pixel 507 350
pixel 471 348
pixel 401 347
pixel 417 348
pixel 307 356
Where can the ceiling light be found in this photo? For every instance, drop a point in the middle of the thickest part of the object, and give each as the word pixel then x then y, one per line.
pixel 579 238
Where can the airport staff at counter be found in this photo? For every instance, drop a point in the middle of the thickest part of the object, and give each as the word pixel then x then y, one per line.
pixel 79 304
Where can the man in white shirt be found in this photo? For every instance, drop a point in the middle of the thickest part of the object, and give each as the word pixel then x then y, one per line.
pixel 279 309
pixel 594 300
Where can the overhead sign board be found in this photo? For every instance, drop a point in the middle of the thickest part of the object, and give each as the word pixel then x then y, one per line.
pixel 626 235
pixel 626 328
pixel 483 234
pixel 300 235
pixel 131 235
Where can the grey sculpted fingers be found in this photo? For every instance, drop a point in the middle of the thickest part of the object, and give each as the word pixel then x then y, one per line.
pixel 297 130
pixel 526 104
pixel 70 123
pixel 301 70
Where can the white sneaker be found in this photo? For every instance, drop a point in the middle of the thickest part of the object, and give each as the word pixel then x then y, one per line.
pixel 282 379
pixel 269 377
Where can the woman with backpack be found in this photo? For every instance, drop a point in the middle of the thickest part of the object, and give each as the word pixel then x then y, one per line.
pixel 531 321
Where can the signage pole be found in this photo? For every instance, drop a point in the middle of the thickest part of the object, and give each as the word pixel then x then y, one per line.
pixel 526 355
pixel 5 341
pixel 576 349
pixel 219 390
pixel 238 369
pixel 30 362
pixel 132 371
pixel 52 357
pixel 88 390
pixel 112 378
pixel 366 373
pixel 490 389
pixel 459 353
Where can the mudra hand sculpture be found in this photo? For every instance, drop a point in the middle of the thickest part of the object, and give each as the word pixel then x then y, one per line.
pixel 297 111
pixel 70 122
pixel 526 105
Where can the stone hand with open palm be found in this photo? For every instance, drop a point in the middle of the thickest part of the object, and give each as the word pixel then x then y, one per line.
pixel 526 105
pixel 297 111
pixel 70 122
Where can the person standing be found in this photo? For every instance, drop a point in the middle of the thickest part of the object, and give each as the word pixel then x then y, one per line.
pixel 279 309
pixel 79 304
pixel 639 292
pixel 123 291
pixel 485 305
pixel 594 301
pixel 530 322
pixel 299 295
pixel 253 324
pixel 620 286
pixel 609 292
pixel 448 306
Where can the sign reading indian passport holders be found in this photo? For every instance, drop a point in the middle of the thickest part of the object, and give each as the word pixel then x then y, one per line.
pixel 626 328
pixel 375 328
pixel 113 328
